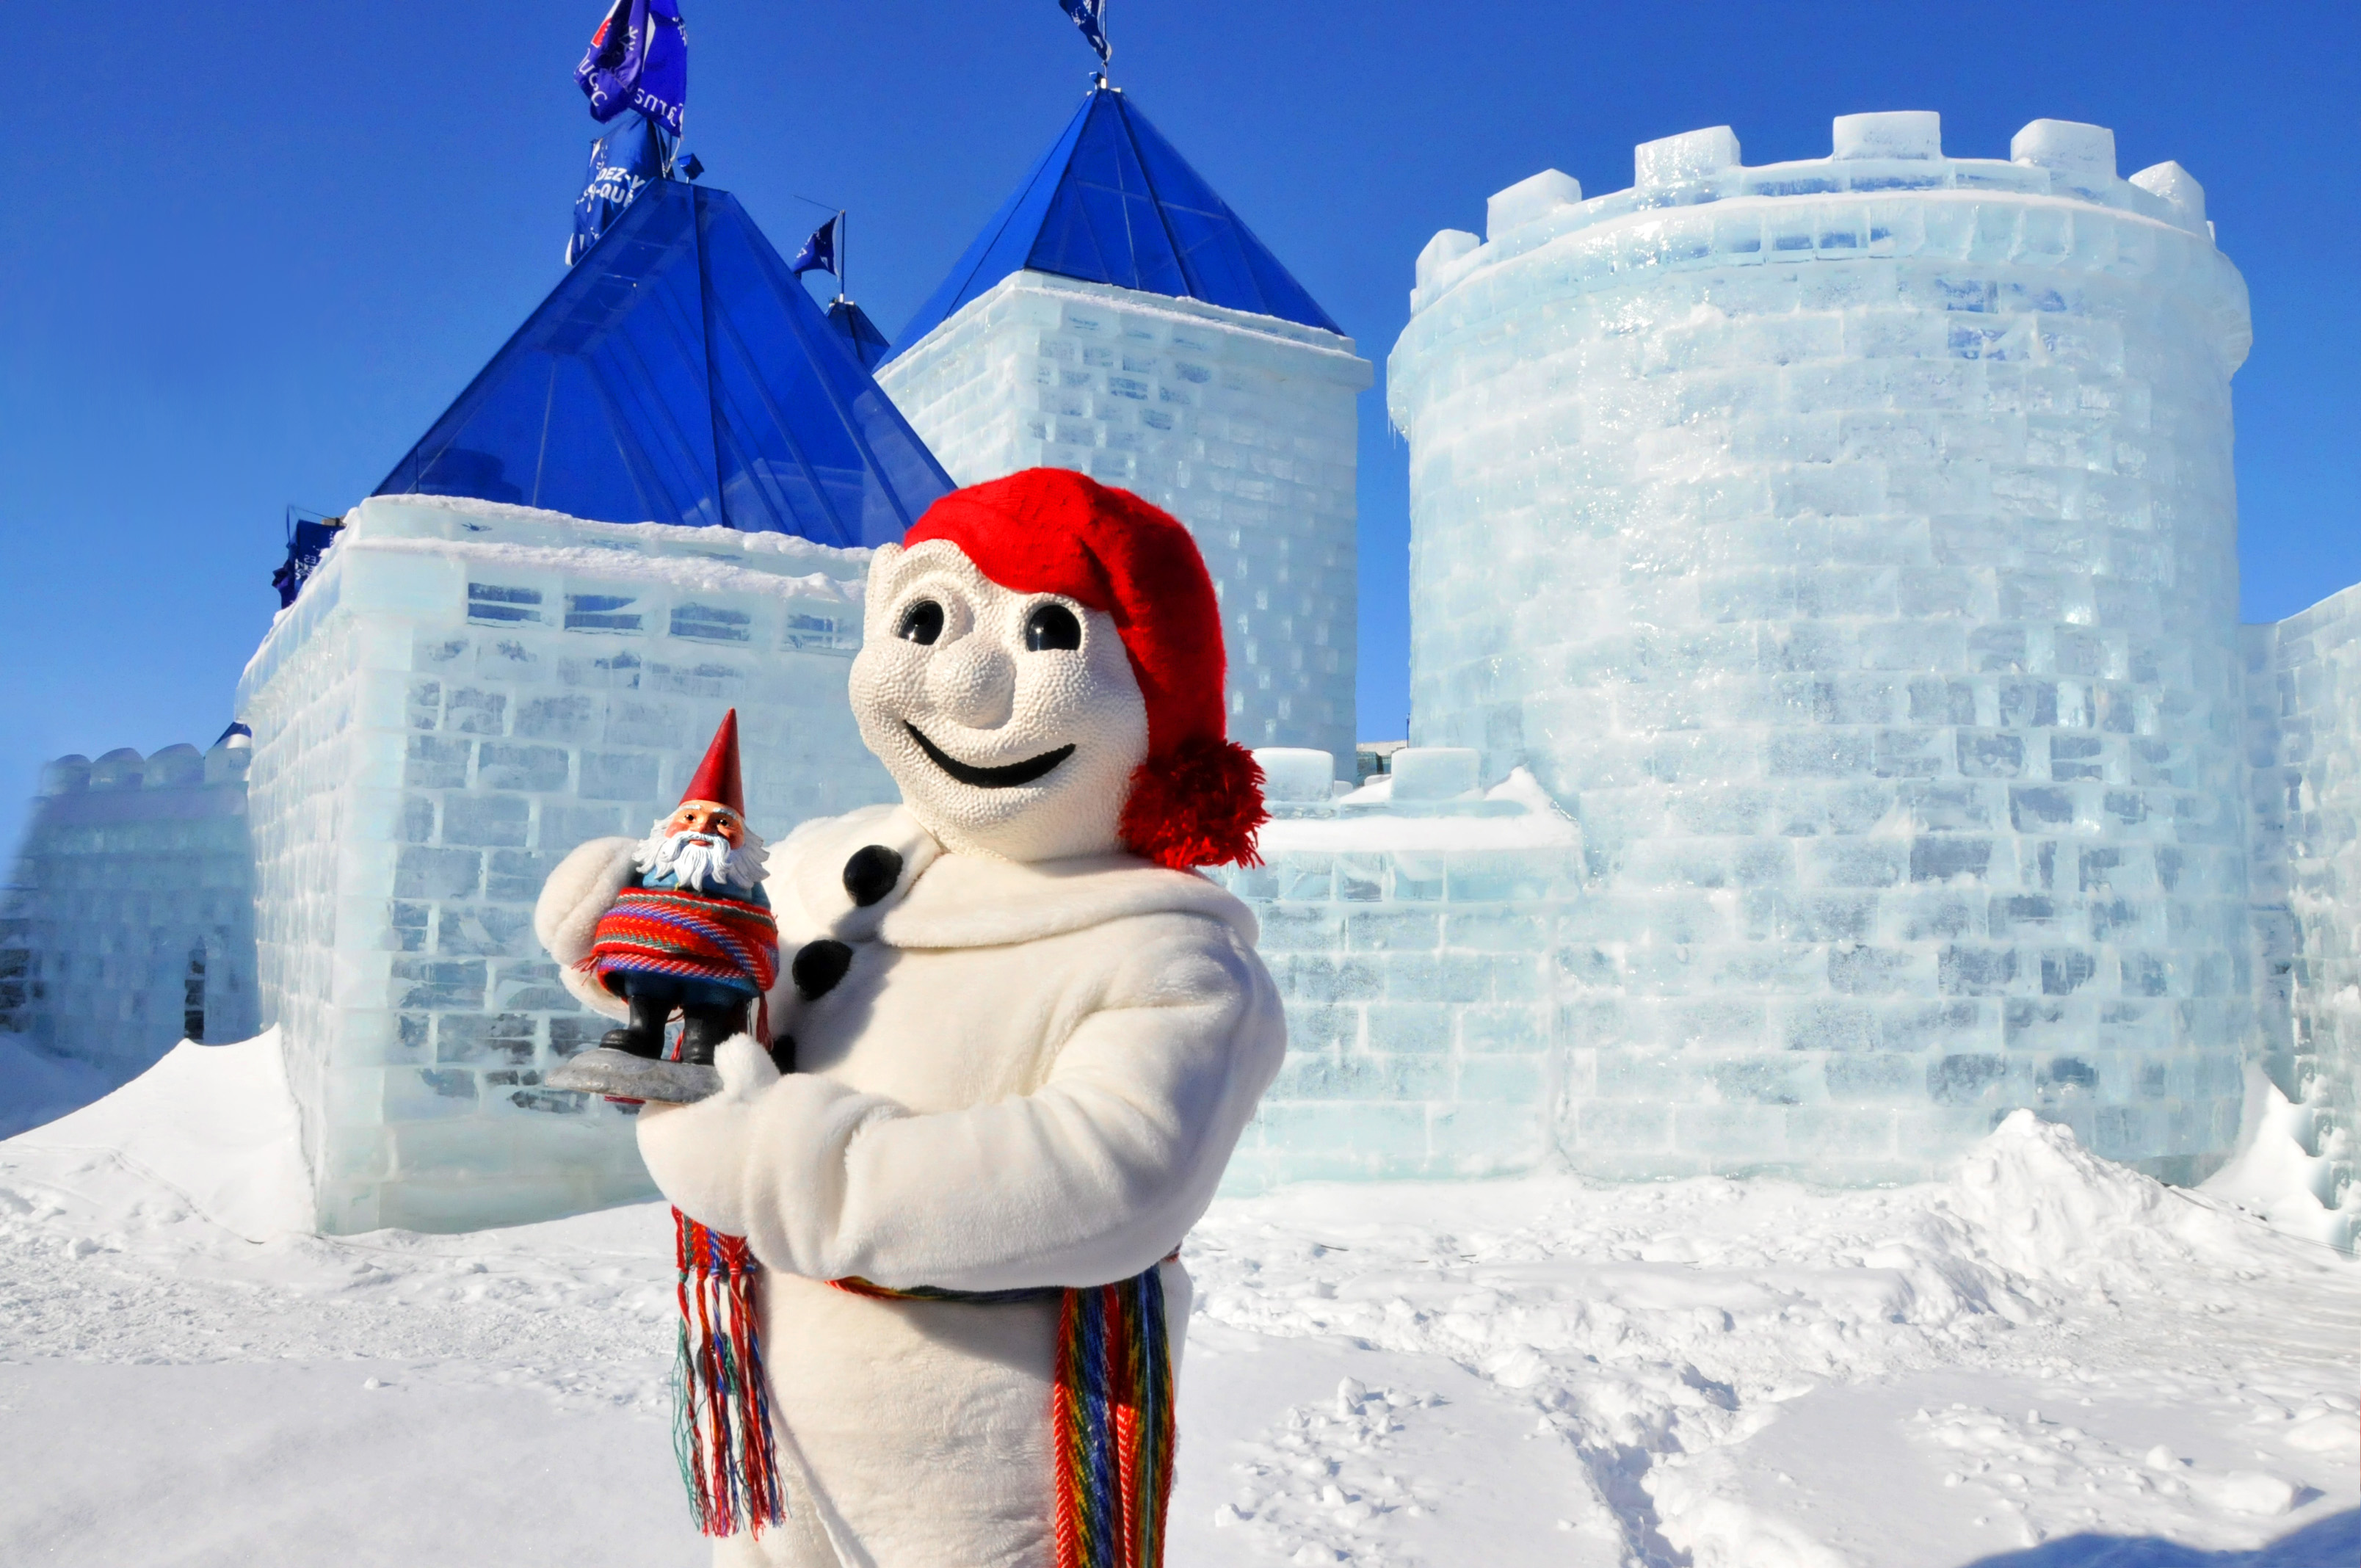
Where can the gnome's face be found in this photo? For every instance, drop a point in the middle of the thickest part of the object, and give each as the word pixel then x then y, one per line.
pixel 704 845
pixel 707 817
pixel 1012 722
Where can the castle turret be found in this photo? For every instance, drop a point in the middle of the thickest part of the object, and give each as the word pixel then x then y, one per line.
pixel 128 925
pixel 1850 545
pixel 1117 318
pixel 471 684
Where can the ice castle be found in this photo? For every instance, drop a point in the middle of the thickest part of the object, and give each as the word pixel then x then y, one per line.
pixel 1831 727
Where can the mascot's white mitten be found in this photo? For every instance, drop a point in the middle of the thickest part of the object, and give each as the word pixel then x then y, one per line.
pixel 696 1152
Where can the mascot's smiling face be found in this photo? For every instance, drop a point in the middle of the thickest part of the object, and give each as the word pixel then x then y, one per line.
pixel 1012 722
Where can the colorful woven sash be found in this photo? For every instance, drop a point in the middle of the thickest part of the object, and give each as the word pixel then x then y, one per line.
pixel 721 1414
pixel 1111 1403
pixel 1111 1414
pixel 692 936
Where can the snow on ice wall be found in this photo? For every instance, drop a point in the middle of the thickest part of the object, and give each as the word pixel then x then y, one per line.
pixel 2303 682
pixel 1242 426
pixel 463 694
pixel 1850 545
pixel 131 918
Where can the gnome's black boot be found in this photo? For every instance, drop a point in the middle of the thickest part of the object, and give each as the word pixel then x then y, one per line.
pixel 703 1030
pixel 644 1035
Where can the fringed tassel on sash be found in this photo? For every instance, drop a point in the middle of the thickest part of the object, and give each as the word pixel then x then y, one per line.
pixel 1112 1424
pixel 721 1416
pixel 1111 1415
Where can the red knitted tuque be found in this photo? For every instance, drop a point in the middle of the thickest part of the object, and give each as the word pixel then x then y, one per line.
pixel 1197 800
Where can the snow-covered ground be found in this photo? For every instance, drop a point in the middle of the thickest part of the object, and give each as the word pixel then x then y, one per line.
pixel 2048 1362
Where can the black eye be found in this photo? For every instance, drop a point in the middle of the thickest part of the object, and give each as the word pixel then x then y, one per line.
pixel 1052 626
pixel 922 622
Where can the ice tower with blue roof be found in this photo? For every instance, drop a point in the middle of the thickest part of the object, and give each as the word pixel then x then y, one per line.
pixel 1115 317
pixel 653 504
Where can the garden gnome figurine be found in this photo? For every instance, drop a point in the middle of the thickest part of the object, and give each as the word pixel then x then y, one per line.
pixel 677 922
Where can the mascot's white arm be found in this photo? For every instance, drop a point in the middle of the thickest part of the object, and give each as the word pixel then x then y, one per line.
pixel 1093 1178
pixel 577 893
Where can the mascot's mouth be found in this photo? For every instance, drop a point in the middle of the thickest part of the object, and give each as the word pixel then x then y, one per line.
pixel 1007 777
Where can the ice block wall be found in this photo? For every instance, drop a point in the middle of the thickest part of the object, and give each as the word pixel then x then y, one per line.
pixel 464 693
pixel 1410 928
pixel 1850 545
pixel 1242 426
pixel 2304 681
pixel 130 919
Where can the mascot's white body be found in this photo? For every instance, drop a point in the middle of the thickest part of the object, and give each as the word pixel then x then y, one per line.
pixel 1031 1074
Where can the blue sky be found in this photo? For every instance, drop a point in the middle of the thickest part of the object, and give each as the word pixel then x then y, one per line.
pixel 255 250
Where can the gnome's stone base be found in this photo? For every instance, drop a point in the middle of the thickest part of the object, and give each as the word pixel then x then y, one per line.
pixel 619 1075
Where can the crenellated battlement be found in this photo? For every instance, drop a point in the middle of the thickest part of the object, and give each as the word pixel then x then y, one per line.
pixel 1848 546
pixel 132 896
pixel 1872 156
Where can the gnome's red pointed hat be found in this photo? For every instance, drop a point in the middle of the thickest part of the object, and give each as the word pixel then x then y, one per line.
pixel 1197 800
pixel 717 781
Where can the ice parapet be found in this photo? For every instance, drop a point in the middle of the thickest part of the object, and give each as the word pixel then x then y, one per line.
pixel 1529 199
pixel 1296 773
pixel 1849 546
pixel 1913 134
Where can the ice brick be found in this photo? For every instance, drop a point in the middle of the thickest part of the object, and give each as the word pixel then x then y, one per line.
pixel 1296 773
pixel 1530 200
pixel 1447 247
pixel 1432 772
pixel 1910 133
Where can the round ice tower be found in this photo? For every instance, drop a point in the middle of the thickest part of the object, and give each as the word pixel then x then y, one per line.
pixel 1850 543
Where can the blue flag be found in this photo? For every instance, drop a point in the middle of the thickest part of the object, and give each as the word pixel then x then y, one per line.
pixel 638 59
pixel 818 254
pixel 621 163
pixel 1090 17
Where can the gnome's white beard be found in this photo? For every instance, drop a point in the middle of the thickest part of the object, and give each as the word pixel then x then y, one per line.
pixel 704 861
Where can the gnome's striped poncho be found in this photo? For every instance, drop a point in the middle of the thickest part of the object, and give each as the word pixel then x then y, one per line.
pixel 686 935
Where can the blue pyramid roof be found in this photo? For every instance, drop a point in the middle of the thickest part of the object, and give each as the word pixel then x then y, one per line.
pixel 1112 202
pixel 680 374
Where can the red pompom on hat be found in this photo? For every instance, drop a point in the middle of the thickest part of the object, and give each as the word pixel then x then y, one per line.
pixel 1197 800
pixel 716 781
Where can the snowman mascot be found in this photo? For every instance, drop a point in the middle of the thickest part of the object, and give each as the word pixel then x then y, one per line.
pixel 1021 1037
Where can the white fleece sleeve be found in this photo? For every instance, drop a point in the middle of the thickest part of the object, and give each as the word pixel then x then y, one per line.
pixel 576 893
pixel 1092 1177
pixel 566 916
